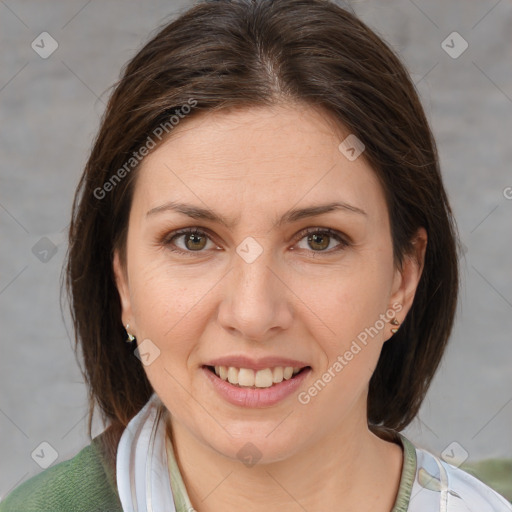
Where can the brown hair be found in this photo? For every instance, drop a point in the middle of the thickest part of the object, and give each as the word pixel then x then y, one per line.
pixel 242 53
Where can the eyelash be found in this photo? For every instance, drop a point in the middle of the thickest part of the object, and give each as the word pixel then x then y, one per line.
pixel 344 242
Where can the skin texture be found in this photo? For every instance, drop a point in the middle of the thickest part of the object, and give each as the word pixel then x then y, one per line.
pixel 294 300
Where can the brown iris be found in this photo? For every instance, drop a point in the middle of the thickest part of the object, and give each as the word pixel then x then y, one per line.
pixel 320 239
pixel 198 241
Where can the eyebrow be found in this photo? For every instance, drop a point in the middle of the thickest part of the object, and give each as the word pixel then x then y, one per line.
pixel 293 215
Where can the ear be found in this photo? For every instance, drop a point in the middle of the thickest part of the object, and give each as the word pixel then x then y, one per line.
pixel 407 278
pixel 121 278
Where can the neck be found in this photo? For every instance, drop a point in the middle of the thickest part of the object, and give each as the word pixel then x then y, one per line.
pixel 349 469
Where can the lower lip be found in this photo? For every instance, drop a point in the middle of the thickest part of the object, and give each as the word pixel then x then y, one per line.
pixel 249 397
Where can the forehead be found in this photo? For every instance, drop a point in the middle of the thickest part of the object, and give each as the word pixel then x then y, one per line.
pixel 264 157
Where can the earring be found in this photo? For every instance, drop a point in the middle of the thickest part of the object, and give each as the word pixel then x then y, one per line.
pixel 394 322
pixel 131 337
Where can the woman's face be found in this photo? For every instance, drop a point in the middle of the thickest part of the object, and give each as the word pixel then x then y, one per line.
pixel 255 284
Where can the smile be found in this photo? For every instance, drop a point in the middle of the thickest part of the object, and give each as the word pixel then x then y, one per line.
pixel 249 388
pixel 248 378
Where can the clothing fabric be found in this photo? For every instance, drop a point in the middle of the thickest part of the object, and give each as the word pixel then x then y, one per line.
pixel 149 479
pixel 84 483
pixel 146 467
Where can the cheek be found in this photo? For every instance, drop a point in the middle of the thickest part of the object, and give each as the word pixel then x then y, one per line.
pixel 164 310
pixel 168 315
pixel 160 294
pixel 349 304
pixel 349 299
pixel 350 308
pixel 169 308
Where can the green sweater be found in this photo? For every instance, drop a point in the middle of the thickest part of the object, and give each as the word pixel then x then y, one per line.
pixel 62 488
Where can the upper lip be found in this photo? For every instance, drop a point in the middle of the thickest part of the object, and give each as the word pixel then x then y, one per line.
pixel 255 364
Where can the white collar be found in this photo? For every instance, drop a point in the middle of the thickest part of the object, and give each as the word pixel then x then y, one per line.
pixel 142 468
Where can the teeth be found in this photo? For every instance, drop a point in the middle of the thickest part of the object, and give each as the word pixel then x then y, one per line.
pixel 263 378
pixel 288 372
pixel 233 375
pixel 245 377
pixel 277 375
pixel 222 373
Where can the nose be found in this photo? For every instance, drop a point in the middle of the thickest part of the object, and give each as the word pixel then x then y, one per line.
pixel 256 300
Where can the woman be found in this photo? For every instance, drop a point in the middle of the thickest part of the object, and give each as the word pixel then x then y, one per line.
pixel 263 220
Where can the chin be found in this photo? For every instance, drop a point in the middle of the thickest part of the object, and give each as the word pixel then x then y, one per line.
pixel 252 448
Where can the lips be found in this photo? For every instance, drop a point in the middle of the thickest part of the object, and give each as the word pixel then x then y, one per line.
pixel 255 396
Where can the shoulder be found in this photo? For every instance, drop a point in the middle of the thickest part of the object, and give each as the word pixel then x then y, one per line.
pixel 83 483
pixel 442 486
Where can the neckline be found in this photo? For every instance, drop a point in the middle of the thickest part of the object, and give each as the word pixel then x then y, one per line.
pixel 179 491
pixel 408 474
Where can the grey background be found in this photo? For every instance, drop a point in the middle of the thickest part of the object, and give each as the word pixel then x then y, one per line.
pixel 49 114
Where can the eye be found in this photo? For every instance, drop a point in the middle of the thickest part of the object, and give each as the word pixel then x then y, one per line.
pixel 194 240
pixel 319 239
